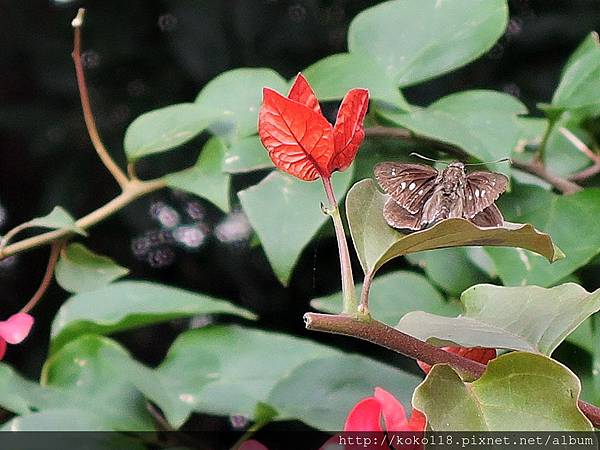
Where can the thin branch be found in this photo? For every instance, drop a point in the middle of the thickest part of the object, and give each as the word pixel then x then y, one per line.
pixel 363 307
pixel 133 191
pixel 535 168
pixel 345 265
pixel 588 172
pixel 45 284
pixel 90 122
pixel 388 337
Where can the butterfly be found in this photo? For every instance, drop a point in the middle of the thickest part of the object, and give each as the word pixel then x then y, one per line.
pixel 421 195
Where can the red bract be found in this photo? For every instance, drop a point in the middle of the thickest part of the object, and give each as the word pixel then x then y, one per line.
pixel 479 354
pixel 299 139
pixel 374 416
pixel 252 445
pixel 14 330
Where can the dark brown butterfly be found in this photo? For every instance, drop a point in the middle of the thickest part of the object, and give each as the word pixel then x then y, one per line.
pixel 421 195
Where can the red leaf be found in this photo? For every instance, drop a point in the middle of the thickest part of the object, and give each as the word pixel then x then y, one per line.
pixel 349 132
pixel 299 140
pixel 303 93
pixel 479 354
pixel 364 416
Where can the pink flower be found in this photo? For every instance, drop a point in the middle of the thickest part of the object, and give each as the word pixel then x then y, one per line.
pixel 14 330
pixel 479 354
pixel 382 413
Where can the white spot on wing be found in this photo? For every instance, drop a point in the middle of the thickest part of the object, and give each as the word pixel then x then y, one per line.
pixel 420 191
pixel 477 193
pixel 412 186
pixel 402 185
pixel 394 172
pixel 482 193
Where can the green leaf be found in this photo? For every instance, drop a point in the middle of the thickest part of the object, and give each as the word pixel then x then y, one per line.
pixel 588 45
pixel 235 96
pixel 528 318
pixel 483 123
pixel 414 40
pixel 165 128
pixel 324 401
pixel 392 295
pixel 285 213
pixel 566 218
pixel 562 157
pixel 130 304
pixel 517 392
pixel 332 77
pixel 579 86
pixel 205 179
pixel 246 155
pixel 377 243
pixel 450 268
pixel 58 421
pixel 202 373
pixel 583 336
pixel 97 371
pixel 57 219
pixel 80 269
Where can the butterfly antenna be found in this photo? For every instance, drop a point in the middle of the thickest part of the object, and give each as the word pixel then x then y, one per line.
pixel 491 162
pixel 428 159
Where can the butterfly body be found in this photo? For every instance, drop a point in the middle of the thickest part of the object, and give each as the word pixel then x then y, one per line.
pixel 421 195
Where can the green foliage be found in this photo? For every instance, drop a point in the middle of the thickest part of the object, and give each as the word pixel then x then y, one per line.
pixel 517 318
pixel 91 382
pixel 398 35
pixel 393 295
pixel 206 179
pixel 566 218
pixel 482 123
pixel 235 97
pixel 164 129
pixel 285 214
pixel 79 269
pixel 58 218
pixel 510 396
pixel 333 76
pixel 131 304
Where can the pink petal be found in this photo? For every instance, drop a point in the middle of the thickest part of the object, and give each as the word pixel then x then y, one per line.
pixel 364 416
pixel 252 445
pixel 2 348
pixel 393 411
pixel 16 328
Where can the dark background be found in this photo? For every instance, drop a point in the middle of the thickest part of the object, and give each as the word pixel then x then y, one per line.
pixel 141 55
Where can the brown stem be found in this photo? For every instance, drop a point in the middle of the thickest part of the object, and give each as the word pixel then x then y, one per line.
pixel 133 191
pixel 45 284
pixel 363 307
pixel 534 168
pixel 90 122
pixel 388 337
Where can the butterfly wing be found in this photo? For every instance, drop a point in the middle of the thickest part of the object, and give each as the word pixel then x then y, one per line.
pixel 481 191
pixel 410 185
pixel 489 217
pixel 398 217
